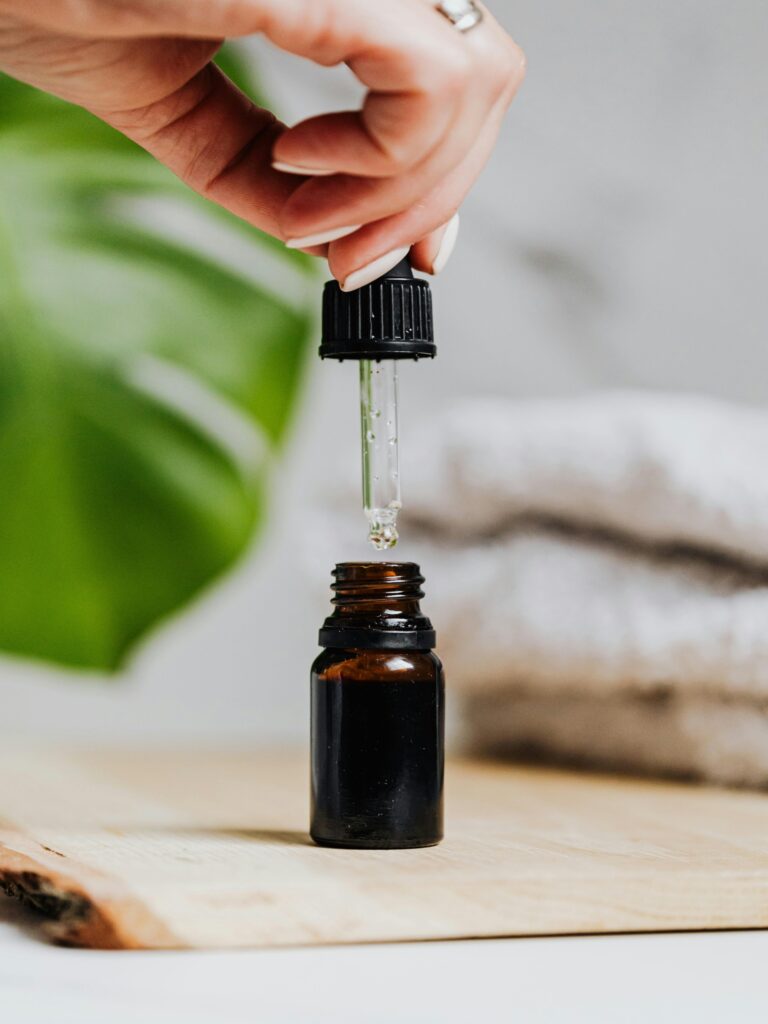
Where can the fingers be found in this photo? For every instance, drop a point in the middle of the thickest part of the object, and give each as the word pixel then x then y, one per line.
pixel 423 221
pixel 380 215
pixel 431 89
pixel 323 205
pixel 366 183
pixel 416 66
pixel 422 98
pixel 430 255
pixel 418 74
pixel 406 195
pixel 433 252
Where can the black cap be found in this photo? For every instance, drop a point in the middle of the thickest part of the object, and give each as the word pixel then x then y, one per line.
pixel 391 318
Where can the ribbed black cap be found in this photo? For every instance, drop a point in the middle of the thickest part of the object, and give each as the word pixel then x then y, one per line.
pixel 391 318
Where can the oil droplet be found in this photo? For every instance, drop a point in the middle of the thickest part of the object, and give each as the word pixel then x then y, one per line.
pixel 382 531
pixel 383 536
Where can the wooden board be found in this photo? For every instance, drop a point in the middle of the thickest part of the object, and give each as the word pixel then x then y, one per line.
pixel 210 850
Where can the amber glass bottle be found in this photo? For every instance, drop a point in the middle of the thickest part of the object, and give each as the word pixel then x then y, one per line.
pixel 377 714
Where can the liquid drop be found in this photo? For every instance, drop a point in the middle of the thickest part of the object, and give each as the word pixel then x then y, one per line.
pixel 382 530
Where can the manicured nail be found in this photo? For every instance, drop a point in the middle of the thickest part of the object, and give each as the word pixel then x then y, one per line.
pixel 447 242
pixel 375 269
pixel 321 237
pixel 312 172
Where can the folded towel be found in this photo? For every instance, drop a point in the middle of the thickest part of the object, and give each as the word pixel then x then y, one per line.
pixel 669 469
pixel 598 570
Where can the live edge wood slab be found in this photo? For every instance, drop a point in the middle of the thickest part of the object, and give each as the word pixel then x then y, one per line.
pixel 155 850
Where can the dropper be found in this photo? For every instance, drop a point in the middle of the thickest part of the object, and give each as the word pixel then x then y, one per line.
pixel 379 324
pixel 379 446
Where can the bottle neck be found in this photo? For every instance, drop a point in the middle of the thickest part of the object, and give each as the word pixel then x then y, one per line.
pixel 373 588
pixel 376 606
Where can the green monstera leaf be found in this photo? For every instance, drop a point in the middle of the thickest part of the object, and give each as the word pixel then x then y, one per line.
pixel 145 382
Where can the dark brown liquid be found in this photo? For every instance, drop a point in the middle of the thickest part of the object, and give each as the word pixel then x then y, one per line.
pixel 377 742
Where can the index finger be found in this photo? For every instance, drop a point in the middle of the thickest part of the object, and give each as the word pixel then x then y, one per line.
pixel 417 70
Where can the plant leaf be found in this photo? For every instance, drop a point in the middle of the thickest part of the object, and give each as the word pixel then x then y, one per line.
pixel 143 386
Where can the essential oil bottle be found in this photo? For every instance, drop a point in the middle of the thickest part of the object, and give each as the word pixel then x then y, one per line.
pixel 377 714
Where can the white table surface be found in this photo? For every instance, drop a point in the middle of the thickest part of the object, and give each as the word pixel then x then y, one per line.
pixel 693 977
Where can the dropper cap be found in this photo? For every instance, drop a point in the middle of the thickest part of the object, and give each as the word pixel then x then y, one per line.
pixel 391 318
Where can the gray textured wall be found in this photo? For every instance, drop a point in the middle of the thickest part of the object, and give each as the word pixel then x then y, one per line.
pixel 617 239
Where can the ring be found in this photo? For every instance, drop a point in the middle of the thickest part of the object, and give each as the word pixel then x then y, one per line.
pixel 462 14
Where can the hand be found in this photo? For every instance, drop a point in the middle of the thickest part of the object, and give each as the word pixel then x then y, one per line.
pixel 361 187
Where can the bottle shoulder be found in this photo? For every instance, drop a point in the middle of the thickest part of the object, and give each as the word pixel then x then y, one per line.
pixel 341 663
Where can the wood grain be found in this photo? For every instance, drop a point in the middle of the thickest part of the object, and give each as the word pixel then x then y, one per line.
pixel 158 850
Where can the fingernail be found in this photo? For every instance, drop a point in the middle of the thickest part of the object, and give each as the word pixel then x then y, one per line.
pixel 313 172
pixel 375 269
pixel 321 237
pixel 447 242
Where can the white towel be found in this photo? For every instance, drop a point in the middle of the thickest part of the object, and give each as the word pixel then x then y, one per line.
pixel 659 468
pixel 598 573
